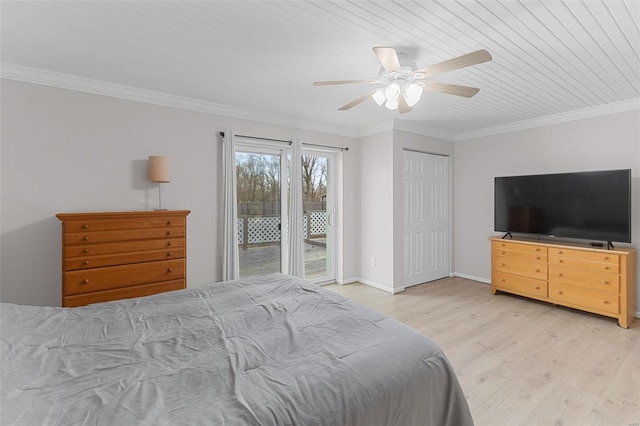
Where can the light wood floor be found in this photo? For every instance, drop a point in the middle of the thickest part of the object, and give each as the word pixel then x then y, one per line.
pixel 522 362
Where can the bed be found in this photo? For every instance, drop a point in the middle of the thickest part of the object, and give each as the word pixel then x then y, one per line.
pixel 274 350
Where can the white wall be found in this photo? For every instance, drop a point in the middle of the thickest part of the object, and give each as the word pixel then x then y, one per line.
pixel 606 142
pixel 376 210
pixel 67 151
pixel 381 203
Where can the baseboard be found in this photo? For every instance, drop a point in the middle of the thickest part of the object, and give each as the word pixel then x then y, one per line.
pixel 378 286
pixel 472 277
pixel 346 281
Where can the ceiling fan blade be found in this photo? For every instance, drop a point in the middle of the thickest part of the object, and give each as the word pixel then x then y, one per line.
pixel 331 83
pixel 449 89
pixel 388 58
pixel 473 58
pixel 403 106
pixel 355 102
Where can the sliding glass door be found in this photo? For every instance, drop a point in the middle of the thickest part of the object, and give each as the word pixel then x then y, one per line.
pixel 262 185
pixel 260 208
pixel 317 191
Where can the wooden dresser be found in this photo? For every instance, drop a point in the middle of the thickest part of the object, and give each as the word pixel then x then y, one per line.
pixel 120 255
pixel 590 279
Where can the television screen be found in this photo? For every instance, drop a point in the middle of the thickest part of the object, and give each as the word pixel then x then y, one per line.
pixel 586 205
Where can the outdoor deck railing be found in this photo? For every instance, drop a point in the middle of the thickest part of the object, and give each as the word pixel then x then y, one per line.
pixel 266 229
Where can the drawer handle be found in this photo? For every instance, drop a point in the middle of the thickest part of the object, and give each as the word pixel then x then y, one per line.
pixel 606 258
pixel 560 261
pixel 537 257
pixel 86 262
pixel 538 249
pixel 85 281
pixel 85 226
pixel 537 270
pixel 169 270
pixel 504 252
pixel 169 254
pixel 560 252
pixel 85 251
pixel 605 282
pixel 504 264
pixel 605 267
pixel 169 243
pixel 86 238
pixel 168 223
pixel 559 292
pixel 168 232
pixel 606 302
pixel 537 287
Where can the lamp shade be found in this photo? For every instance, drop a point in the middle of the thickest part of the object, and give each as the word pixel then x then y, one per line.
pixel 158 169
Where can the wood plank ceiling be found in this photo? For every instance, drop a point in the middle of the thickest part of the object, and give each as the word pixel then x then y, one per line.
pixel 260 58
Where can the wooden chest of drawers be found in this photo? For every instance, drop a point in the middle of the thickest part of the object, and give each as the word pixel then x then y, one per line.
pixel 595 280
pixel 119 255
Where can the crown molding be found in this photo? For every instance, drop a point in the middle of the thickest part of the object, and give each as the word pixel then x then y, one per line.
pixel 611 108
pixel 413 127
pixel 382 126
pixel 81 84
pixel 71 82
pixel 405 126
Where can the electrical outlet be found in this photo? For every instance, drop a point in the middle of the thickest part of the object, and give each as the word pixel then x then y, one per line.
pixel 373 261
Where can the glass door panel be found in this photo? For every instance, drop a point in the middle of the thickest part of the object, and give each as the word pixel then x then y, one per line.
pixel 317 192
pixel 258 182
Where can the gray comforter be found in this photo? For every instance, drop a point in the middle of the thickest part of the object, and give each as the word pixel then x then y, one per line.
pixel 269 351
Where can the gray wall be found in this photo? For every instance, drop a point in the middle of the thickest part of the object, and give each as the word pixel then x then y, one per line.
pixel 605 142
pixel 68 151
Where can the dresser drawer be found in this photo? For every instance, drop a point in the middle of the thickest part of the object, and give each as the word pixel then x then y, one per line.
pixel 519 285
pixel 591 265
pixel 596 280
pixel 74 238
pixel 87 262
pixel 583 255
pixel 526 255
pixel 125 247
pixel 526 268
pixel 519 247
pixel 119 224
pixel 98 279
pixel 586 298
pixel 122 293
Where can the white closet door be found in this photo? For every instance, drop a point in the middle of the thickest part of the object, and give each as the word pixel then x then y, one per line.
pixel 426 217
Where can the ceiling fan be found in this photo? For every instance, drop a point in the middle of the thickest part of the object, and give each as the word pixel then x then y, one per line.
pixel 402 83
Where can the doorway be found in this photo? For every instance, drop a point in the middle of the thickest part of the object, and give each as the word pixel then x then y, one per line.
pixel 426 217
pixel 318 191
pixel 259 177
pixel 262 189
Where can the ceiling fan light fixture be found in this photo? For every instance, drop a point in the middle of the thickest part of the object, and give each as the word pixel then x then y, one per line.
pixel 392 92
pixel 403 84
pixel 412 93
pixel 379 97
pixel 392 104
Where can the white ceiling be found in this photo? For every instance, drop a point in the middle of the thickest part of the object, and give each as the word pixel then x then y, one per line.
pixel 258 59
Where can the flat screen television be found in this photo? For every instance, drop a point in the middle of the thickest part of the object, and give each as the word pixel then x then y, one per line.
pixel 583 205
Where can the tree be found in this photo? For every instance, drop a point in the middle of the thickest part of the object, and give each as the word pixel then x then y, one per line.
pixel 314 177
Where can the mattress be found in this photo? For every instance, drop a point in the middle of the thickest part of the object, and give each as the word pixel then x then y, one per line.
pixel 274 350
